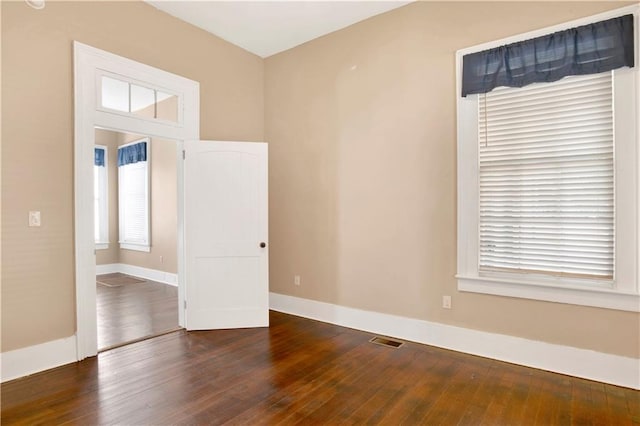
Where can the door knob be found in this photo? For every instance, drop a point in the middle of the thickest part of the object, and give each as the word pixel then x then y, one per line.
pixel 263 245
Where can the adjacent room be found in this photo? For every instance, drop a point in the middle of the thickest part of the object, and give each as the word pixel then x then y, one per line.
pixel 136 237
pixel 374 212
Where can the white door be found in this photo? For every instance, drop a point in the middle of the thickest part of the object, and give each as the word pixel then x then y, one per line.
pixel 225 222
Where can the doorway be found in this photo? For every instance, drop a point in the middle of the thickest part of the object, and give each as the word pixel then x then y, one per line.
pixel 112 92
pixel 135 213
pixel 222 193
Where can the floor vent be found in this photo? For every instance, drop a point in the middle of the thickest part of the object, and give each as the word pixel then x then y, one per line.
pixel 386 342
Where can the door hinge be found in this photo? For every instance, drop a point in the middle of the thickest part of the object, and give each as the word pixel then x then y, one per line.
pixel 184 154
pixel 185 304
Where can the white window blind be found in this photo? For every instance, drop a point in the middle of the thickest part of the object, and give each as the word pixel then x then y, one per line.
pixel 547 178
pixel 134 203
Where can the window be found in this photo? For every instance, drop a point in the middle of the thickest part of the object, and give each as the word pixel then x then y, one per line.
pixel 132 98
pixel 100 198
pixel 133 195
pixel 546 178
pixel 547 188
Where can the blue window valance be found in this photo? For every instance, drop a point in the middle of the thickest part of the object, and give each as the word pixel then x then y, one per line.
pixel 132 153
pixel 98 157
pixel 589 49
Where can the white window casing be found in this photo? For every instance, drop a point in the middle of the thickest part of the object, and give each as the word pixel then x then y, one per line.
pixel 514 237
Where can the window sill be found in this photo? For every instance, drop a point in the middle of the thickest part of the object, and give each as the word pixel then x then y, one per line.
pixel 102 246
pixel 136 247
pixel 596 297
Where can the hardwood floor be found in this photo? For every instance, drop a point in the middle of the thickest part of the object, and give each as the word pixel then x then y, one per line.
pixel 130 309
pixel 300 371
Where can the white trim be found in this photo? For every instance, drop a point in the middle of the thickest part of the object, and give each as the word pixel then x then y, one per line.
pixel 596 297
pixel 150 274
pixel 136 247
pixel 88 61
pixel 33 359
pixel 588 364
pixel 102 246
pixel 182 291
pixel 140 272
pixel 110 268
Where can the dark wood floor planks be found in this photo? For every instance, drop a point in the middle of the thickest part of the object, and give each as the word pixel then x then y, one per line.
pixel 303 372
pixel 134 311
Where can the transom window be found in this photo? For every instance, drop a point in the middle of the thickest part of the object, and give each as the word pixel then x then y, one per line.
pixel 128 97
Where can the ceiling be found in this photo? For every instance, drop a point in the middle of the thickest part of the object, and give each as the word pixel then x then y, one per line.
pixel 268 27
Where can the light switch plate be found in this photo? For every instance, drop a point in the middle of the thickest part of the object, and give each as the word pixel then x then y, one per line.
pixel 446 302
pixel 34 218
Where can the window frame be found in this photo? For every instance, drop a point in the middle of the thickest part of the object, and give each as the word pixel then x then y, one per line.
pixel 620 293
pixel 103 242
pixel 134 245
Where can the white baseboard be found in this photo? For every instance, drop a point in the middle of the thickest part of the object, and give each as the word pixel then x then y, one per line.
pixel 33 359
pixel 137 271
pixel 111 268
pixel 588 364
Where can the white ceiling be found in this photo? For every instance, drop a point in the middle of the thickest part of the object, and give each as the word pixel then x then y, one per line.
pixel 268 27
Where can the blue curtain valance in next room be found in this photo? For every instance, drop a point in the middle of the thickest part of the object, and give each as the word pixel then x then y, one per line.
pixel 98 158
pixel 132 153
pixel 588 49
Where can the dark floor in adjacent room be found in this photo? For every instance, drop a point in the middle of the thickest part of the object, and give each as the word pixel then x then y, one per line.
pixel 131 309
pixel 300 371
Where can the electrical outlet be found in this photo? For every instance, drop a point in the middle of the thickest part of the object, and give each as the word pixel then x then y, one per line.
pixel 446 302
pixel 296 279
pixel 161 259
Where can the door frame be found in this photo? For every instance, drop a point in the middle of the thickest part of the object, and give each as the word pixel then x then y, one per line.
pixel 89 64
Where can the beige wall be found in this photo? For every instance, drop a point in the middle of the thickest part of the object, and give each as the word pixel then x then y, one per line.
pixel 38 287
pixel 163 253
pixel 361 127
pixel 164 212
